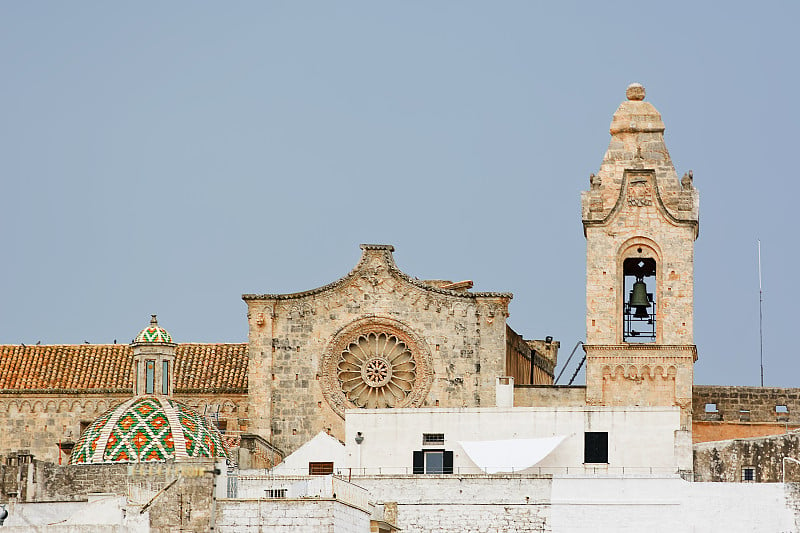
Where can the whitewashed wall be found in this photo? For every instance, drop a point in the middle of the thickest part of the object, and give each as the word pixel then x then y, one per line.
pixel 656 505
pixel 641 439
pixel 322 448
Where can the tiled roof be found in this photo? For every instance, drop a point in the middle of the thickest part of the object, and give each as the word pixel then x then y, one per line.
pixel 107 368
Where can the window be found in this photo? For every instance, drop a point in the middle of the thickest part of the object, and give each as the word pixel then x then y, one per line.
pixel 165 377
pixel 84 425
pixel 595 447
pixel 711 408
pixel 276 493
pixel 433 462
pixel 150 377
pixel 748 473
pixel 320 469
pixel 432 438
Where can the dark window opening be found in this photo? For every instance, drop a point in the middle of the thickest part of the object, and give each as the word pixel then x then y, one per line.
pixel 84 425
pixel 595 447
pixel 748 473
pixel 639 307
pixel 165 378
pixel 276 493
pixel 433 462
pixel 320 468
pixel 150 377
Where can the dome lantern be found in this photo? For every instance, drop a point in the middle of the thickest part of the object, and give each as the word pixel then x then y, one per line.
pixel 153 361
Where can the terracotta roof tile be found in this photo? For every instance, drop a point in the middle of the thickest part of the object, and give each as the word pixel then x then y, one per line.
pixel 107 368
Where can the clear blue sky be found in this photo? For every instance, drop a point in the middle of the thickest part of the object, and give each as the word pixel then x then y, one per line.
pixel 168 157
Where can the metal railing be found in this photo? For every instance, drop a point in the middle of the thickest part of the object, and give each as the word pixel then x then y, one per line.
pixel 348 473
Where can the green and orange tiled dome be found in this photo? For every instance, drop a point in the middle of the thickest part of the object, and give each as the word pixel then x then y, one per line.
pixel 153 334
pixel 148 428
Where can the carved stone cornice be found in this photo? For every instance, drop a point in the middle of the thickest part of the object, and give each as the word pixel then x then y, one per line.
pixel 641 352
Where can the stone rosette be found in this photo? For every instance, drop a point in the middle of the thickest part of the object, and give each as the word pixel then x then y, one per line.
pixel 376 362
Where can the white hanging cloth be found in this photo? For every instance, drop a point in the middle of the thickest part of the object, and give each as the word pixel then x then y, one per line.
pixel 513 455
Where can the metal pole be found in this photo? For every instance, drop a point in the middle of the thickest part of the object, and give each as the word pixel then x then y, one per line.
pixel 760 316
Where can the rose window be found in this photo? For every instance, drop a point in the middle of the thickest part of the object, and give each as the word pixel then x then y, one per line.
pixel 376 370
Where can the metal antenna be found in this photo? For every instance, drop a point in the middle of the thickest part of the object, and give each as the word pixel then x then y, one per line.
pixel 760 315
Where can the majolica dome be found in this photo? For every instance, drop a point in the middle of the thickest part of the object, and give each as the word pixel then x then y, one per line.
pixel 148 428
pixel 153 334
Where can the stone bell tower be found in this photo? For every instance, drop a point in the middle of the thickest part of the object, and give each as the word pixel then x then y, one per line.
pixel 640 221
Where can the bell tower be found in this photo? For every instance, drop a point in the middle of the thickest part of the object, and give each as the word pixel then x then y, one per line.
pixel 640 221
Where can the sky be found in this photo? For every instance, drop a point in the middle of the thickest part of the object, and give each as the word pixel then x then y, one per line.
pixel 169 157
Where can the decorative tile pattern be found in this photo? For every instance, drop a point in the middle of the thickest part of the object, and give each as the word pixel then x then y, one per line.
pixel 141 431
pixel 202 439
pixel 87 444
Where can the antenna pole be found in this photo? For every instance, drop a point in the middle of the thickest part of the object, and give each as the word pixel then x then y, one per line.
pixel 760 316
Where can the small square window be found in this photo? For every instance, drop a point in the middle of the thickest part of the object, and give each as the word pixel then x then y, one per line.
pixel 432 438
pixel 748 473
pixel 320 468
pixel 595 447
pixel 781 409
pixel 711 408
pixel 276 493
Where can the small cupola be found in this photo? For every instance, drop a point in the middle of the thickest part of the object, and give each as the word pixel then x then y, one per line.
pixel 153 361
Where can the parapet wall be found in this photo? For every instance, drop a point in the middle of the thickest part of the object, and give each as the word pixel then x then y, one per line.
pixel 549 396
pixel 745 404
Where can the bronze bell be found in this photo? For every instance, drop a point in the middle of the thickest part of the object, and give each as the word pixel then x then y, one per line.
pixel 639 301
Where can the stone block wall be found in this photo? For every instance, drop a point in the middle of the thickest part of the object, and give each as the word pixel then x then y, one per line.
pixel 726 460
pixel 459 341
pixel 36 424
pixel 730 412
pixel 296 516
pixel 466 503
pixel 549 396
pixel 745 404
pixel 180 495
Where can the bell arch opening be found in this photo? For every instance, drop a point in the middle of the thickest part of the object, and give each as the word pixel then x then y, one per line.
pixel 639 320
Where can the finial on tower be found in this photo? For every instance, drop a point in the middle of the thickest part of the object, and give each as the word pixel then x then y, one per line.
pixel 153 320
pixel 635 91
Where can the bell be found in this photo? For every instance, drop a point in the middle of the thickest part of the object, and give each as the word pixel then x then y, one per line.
pixel 639 301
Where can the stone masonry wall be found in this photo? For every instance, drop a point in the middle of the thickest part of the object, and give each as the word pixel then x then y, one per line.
pixel 730 412
pixel 184 504
pixel 466 503
pixel 460 338
pixel 746 404
pixel 35 424
pixel 549 396
pixel 295 516
pixel 725 460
